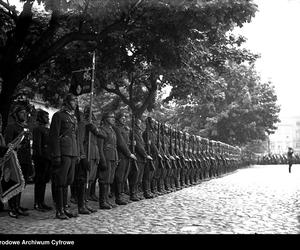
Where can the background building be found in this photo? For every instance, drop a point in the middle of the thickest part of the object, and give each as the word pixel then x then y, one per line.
pixel 287 135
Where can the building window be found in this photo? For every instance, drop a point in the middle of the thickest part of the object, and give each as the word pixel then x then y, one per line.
pixel 297 134
pixel 297 144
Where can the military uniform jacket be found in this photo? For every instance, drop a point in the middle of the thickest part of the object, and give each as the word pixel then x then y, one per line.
pixel 122 141
pixel 141 153
pixel 95 134
pixel 152 142
pixel 12 132
pixel 64 135
pixel 108 145
pixel 40 137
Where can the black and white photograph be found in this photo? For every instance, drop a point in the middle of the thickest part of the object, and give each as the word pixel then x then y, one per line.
pixel 148 117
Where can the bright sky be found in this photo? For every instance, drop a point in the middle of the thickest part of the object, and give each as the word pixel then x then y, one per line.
pixel 275 34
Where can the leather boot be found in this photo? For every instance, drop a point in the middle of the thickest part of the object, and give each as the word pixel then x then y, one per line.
pixel 159 190
pixel 59 204
pixel 65 199
pixel 119 197
pixel 147 193
pixel 166 184
pixel 42 199
pixel 162 186
pixel 110 194
pixel 87 192
pixel 80 198
pixel 153 187
pixel 37 198
pixel 93 196
pixel 20 210
pixel 53 191
pixel 133 193
pixel 92 210
pixel 103 192
pixel 74 187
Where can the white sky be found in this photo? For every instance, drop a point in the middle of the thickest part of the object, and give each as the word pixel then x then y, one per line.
pixel 275 34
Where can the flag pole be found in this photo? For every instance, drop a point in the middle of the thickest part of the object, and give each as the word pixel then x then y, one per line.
pixel 91 112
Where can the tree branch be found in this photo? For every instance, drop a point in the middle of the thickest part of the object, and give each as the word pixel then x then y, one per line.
pixel 11 10
pixel 31 62
pixel 150 95
pixel 118 93
pixel 47 36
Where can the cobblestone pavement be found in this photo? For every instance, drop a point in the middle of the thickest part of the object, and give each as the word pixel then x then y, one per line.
pixel 259 199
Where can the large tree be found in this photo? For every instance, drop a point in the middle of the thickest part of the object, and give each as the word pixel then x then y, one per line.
pixel 236 108
pixel 132 37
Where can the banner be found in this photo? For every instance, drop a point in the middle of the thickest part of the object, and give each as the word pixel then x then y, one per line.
pixel 81 82
pixel 11 181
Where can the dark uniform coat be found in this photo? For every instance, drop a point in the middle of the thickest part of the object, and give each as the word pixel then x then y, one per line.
pixel 40 137
pixel 63 135
pixel 122 141
pixel 108 155
pixel 140 145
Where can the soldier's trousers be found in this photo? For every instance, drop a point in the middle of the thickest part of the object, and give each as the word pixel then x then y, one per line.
pixel 80 180
pixel 155 177
pixel 147 177
pixel 122 169
pixel 63 176
pixel 107 176
pixel 133 178
pixel 42 177
pixel 121 176
pixel 64 173
pixel 177 177
pixel 290 167
pixel 93 170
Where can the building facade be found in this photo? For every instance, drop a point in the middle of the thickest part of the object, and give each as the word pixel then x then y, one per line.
pixel 287 135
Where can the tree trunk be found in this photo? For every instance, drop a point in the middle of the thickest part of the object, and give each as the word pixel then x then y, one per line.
pixel 6 97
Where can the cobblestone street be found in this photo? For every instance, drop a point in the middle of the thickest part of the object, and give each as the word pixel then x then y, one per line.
pixel 260 199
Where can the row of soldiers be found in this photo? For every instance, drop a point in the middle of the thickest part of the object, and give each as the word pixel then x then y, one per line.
pixel 77 152
pixel 277 159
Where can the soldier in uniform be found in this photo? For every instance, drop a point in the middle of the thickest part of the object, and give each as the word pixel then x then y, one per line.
pixel 142 157
pixel 204 142
pixel 187 160
pixel 200 160
pixel 167 160
pixel 91 134
pixel 182 159
pixel 64 153
pixel 172 157
pixel 125 155
pixel 81 182
pixel 151 149
pixel 176 154
pixel 108 159
pixel 24 155
pixel 41 158
pixel 290 158
pixel 161 166
pixel 192 159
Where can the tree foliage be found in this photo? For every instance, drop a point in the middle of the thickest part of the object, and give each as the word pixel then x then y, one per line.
pixel 237 108
pixel 142 45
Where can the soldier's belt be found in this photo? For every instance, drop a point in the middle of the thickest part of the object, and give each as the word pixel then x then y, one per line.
pixel 110 146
